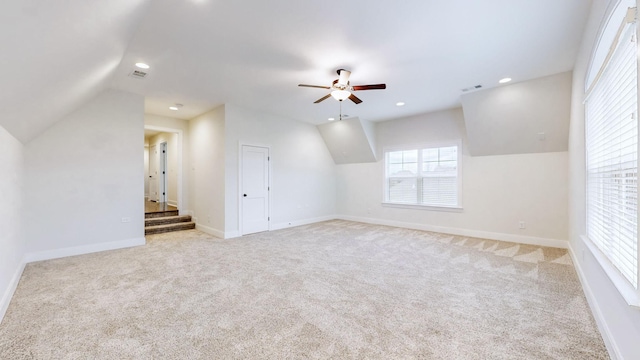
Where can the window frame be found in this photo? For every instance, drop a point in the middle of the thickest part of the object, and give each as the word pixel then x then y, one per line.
pixel 629 291
pixel 419 147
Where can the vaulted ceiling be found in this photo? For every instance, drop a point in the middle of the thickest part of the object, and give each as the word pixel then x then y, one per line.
pixel 56 55
pixel 203 53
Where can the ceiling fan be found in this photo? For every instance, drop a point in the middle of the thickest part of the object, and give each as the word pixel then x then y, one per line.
pixel 341 88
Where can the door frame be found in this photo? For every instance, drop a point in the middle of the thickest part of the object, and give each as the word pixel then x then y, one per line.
pixel 240 155
pixel 180 169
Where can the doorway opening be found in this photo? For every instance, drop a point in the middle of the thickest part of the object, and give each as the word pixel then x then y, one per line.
pixel 163 169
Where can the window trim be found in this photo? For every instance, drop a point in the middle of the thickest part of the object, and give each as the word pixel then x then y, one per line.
pixel 613 19
pixel 457 208
pixel 626 289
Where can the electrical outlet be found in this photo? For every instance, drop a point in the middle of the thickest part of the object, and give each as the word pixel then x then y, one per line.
pixel 521 225
pixel 126 219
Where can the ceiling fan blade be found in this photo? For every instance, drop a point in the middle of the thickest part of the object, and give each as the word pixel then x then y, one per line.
pixel 355 99
pixel 369 87
pixel 344 77
pixel 315 86
pixel 322 98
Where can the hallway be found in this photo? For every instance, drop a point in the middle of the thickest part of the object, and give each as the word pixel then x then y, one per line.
pixel 155 207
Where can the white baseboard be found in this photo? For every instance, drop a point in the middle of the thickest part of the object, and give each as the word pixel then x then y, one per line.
pixel 211 231
pixel 288 224
pixel 11 289
pixel 531 240
pixel 84 249
pixel 172 203
pixel 273 227
pixel 231 234
pixel 607 337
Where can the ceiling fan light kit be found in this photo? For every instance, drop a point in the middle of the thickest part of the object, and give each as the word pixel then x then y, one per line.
pixel 340 95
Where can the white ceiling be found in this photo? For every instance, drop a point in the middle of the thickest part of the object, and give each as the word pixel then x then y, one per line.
pixel 150 133
pixel 204 53
pixel 58 55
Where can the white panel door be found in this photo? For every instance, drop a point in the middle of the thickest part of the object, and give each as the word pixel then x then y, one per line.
pixel 153 172
pixel 255 189
pixel 162 173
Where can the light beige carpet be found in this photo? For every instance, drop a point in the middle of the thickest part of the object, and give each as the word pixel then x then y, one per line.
pixel 336 289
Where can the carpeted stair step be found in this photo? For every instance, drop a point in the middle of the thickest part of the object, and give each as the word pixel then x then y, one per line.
pixel 171 222
pixel 159 229
pixel 167 220
pixel 161 214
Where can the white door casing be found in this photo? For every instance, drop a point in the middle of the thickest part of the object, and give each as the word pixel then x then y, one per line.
pixel 254 189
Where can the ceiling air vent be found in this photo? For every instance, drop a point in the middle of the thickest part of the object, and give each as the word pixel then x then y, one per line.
pixel 472 88
pixel 138 74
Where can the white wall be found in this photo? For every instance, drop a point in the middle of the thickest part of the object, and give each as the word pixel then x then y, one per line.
pixel 303 172
pixel 182 126
pixel 83 175
pixel 349 141
pixel 619 323
pixel 12 241
pixel 508 119
pixel 497 191
pixel 207 170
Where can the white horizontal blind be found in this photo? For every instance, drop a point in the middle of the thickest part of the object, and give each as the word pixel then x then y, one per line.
pixel 440 176
pixel 423 176
pixel 402 176
pixel 612 159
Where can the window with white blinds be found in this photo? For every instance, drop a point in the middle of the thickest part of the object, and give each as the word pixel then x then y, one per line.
pixel 427 176
pixel 612 158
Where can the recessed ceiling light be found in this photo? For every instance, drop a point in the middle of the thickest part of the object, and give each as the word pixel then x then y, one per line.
pixel 400 103
pixel 142 65
pixel 504 81
pixel 174 108
pixel 331 119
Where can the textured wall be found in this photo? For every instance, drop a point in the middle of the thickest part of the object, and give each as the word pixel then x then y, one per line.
pixel 85 173
pixel 303 172
pixel 12 241
pixel 497 191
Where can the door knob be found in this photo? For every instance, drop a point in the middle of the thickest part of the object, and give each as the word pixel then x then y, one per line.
pixel 245 195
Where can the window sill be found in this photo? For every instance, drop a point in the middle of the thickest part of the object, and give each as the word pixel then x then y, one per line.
pixel 423 207
pixel 628 292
